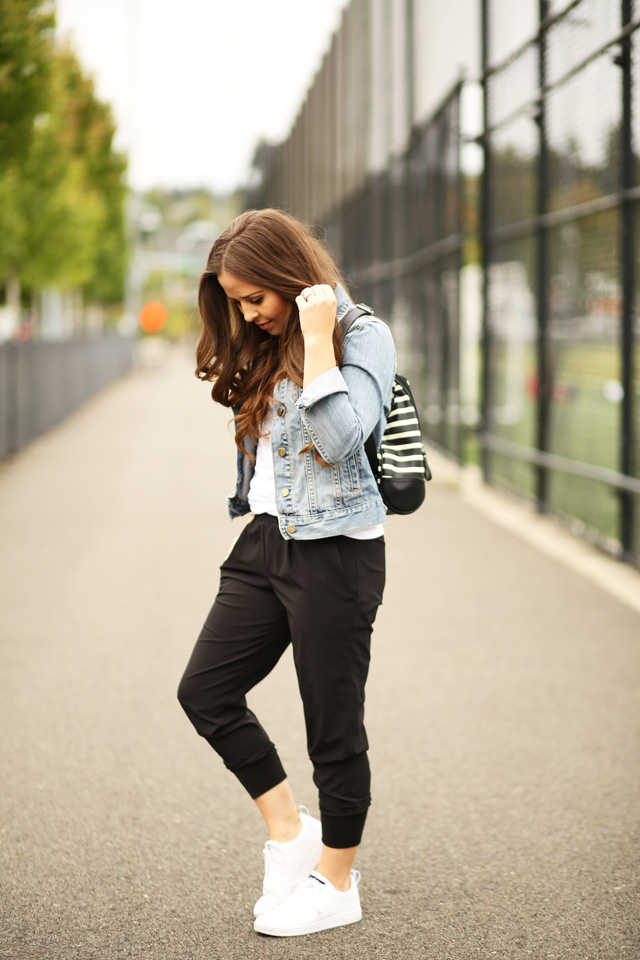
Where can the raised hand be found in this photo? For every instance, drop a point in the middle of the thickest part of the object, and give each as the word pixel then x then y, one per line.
pixel 317 307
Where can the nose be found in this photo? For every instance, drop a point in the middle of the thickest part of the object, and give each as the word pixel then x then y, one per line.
pixel 250 313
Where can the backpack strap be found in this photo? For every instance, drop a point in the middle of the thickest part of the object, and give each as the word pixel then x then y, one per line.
pixel 352 314
pixel 372 454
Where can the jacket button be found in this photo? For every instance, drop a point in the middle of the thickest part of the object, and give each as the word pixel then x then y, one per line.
pixel 281 411
pixel 291 528
pixel 285 491
pixel 281 452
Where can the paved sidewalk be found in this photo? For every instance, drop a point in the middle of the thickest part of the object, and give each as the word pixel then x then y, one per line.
pixel 502 709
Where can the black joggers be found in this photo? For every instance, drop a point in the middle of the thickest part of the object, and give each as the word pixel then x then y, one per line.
pixel 322 597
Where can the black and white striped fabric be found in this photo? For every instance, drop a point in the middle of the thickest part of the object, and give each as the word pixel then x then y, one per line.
pixel 401 450
pixel 400 463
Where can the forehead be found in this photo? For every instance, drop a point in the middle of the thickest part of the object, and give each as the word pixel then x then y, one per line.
pixel 235 287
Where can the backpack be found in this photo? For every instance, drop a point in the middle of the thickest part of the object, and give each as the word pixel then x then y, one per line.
pixel 400 463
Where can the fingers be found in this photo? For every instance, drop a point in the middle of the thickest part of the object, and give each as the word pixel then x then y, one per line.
pixel 318 292
pixel 317 310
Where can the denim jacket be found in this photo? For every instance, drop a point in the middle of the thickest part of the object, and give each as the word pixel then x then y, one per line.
pixel 336 412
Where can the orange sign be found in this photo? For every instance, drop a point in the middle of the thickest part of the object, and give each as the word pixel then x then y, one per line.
pixel 153 316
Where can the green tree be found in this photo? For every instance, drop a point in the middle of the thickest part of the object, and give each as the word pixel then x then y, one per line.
pixel 62 204
pixel 26 43
pixel 89 131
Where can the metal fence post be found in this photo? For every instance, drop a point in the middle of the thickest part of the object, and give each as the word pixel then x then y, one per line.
pixel 486 256
pixel 460 228
pixel 410 81
pixel 440 210
pixel 542 279
pixel 627 498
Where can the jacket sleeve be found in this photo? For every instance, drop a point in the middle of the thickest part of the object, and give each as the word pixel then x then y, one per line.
pixel 340 408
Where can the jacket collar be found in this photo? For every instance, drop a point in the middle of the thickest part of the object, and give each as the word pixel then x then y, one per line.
pixel 344 304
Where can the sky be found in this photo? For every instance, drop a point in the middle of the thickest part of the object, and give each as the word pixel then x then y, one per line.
pixel 194 84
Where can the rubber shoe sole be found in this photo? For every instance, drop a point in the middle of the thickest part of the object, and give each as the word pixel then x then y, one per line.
pixel 314 905
pixel 327 923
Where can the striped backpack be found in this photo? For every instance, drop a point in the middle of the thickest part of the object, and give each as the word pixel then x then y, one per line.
pixel 400 463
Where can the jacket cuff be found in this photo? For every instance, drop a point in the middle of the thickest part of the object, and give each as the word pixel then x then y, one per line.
pixel 329 382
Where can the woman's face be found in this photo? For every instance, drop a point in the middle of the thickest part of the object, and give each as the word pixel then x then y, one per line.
pixel 257 304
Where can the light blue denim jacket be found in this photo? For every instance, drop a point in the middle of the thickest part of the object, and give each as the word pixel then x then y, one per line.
pixel 336 412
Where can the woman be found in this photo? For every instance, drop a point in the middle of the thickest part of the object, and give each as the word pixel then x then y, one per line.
pixel 309 569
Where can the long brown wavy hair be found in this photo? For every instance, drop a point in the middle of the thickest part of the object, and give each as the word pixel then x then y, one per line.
pixel 274 250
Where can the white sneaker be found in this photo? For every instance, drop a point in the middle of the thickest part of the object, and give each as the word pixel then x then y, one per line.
pixel 314 905
pixel 286 864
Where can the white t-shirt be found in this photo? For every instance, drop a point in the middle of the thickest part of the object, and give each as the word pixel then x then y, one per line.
pixel 262 489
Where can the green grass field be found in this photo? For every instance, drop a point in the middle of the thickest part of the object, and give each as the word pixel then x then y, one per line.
pixel 585 426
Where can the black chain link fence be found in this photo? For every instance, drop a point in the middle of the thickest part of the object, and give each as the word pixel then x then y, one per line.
pixel 544 384
pixel 400 244
pixel 561 199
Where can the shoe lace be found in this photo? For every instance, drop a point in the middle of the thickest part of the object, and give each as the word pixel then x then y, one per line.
pixel 305 890
pixel 272 856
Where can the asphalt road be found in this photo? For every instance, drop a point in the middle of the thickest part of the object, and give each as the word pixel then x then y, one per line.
pixel 502 710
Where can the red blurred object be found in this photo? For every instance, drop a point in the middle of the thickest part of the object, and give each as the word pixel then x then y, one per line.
pixel 24 331
pixel 564 392
pixel 153 316
pixel 533 386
